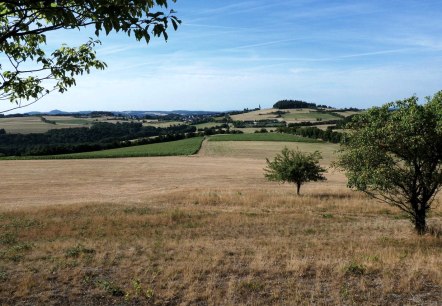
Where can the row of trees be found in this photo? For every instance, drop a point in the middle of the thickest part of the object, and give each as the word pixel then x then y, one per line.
pixel 392 153
pixel 101 135
pixel 313 132
pixel 293 104
pixel 258 123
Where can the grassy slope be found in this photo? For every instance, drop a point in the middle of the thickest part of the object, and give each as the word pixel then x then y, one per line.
pixel 207 125
pixel 26 125
pixel 173 148
pixel 263 114
pixel 261 150
pixel 163 124
pixel 262 137
pixel 309 116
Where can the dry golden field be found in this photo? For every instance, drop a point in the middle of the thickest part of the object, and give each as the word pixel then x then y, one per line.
pixel 25 125
pixel 34 124
pixel 203 230
pixel 262 114
pixel 291 115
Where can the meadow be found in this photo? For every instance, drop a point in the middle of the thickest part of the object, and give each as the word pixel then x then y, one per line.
pixel 71 121
pixel 207 125
pixel 206 229
pixel 262 137
pixel 162 124
pixel 263 114
pixel 308 116
pixel 187 146
pixel 34 124
pixel 26 125
pixel 291 115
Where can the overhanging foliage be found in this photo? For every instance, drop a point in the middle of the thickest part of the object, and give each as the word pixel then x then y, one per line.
pixel 29 73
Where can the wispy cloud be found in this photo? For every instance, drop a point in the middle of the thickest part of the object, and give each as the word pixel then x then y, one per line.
pixel 117 49
pixel 241 7
pixel 262 44
pixel 237 54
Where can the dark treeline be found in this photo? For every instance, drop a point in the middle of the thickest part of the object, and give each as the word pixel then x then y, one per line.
pixel 47 121
pixel 258 123
pixel 168 117
pixel 291 104
pixel 313 132
pixel 99 136
pixel 218 129
pixel 97 114
pixel 313 123
pixel 245 110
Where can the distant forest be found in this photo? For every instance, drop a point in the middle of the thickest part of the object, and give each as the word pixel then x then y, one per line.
pixel 291 104
pixel 101 135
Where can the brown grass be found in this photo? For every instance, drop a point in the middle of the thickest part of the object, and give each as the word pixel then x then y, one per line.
pixel 25 125
pixel 206 231
pixel 263 114
pixel 260 150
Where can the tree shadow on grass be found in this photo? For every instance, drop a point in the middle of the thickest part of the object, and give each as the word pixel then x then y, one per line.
pixel 331 196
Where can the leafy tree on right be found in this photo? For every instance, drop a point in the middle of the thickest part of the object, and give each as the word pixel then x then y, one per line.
pixel 393 153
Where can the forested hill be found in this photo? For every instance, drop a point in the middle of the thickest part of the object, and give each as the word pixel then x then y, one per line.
pixel 101 135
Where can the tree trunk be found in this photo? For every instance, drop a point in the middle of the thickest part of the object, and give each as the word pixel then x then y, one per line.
pixel 420 224
pixel 298 187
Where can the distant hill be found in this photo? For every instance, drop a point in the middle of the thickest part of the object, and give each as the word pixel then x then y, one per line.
pixel 56 112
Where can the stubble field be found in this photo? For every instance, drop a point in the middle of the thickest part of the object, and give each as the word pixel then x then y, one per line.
pixel 203 230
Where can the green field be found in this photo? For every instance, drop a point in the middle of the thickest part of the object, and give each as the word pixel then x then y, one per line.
pixel 262 137
pixel 207 125
pixel 163 124
pixel 173 148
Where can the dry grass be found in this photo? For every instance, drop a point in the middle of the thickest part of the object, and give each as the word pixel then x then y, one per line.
pixel 34 124
pixel 291 116
pixel 162 124
pixel 26 125
pixel 265 149
pixel 202 230
pixel 262 114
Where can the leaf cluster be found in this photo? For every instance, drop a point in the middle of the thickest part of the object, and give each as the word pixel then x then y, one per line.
pixel 294 166
pixel 23 28
pixel 394 153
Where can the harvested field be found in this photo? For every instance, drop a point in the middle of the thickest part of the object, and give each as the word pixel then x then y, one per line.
pixel 26 125
pixel 40 182
pixel 265 149
pixel 263 137
pixel 263 114
pixel 203 230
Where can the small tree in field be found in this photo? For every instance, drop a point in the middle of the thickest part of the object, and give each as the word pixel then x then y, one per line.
pixel 295 167
pixel 394 154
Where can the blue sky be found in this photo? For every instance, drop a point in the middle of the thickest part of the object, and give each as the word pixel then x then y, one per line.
pixel 236 54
